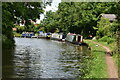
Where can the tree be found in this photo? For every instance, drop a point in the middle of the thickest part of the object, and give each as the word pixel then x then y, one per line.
pixel 20 29
pixel 104 26
pixel 79 17
pixel 13 12
pixel 50 22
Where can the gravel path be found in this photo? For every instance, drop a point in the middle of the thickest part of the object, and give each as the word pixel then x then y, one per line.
pixel 111 68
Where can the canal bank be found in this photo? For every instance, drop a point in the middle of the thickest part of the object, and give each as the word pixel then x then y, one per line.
pixel 104 65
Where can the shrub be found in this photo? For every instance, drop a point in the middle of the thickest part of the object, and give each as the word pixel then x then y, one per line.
pixel 7 43
pixel 16 34
pixel 104 39
pixel 107 39
pixel 110 40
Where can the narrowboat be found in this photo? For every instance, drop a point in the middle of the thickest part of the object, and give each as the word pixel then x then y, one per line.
pixel 48 35
pixel 41 34
pixel 28 34
pixel 58 36
pixel 74 38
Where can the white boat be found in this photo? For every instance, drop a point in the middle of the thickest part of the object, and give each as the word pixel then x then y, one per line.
pixel 58 36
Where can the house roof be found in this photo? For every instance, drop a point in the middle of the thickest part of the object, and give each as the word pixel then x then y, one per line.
pixel 111 17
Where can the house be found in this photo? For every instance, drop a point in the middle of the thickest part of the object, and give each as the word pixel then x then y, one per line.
pixel 111 17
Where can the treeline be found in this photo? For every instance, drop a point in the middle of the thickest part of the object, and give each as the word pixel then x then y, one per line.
pixel 82 18
pixel 75 17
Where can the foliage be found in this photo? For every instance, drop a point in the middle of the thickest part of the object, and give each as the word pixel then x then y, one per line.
pixel 118 37
pixel 104 26
pixel 14 12
pixel 110 40
pixel 49 22
pixel 16 34
pixel 29 28
pixel 7 43
pixel 37 28
pixel 77 17
pixel 107 39
pixel 20 29
pixel 104 39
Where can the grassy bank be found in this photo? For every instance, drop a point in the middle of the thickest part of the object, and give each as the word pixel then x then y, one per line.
pixel 99 68
pixel 112 47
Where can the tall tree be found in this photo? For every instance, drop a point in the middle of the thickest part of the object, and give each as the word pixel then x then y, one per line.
pixel 80 17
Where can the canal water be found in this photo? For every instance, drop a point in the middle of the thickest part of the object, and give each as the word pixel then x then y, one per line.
pixel 42 58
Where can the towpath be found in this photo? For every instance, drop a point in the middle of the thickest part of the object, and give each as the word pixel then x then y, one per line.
pixel 111 68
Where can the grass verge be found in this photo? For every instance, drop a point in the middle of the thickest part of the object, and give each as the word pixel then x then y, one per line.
pixel 99 67
pixel 112 47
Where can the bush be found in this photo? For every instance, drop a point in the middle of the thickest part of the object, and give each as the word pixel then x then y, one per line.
pixel 16 34
pixel 110 40
pixel 104 39
pixel 7 43
pixel 107 39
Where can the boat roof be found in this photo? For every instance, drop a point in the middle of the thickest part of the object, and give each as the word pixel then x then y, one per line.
pixel 73 34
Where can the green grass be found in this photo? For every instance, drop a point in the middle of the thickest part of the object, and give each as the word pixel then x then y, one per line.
pixel 99 67
pixel 112 47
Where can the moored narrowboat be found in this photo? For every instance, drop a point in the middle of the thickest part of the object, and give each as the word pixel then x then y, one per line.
pixel 41 34
pixel 48 35
pixel 74 38
pixel 27 34
pixel 58 36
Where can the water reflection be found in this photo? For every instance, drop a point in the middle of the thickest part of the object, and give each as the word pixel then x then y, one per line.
pixel 40 58
pixel 7 63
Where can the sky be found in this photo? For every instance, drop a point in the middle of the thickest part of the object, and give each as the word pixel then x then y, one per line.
pixel 53 7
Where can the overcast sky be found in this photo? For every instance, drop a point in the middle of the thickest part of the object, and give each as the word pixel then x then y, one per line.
pixel 53 7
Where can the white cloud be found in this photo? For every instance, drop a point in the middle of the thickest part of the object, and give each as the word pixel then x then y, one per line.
pixel 37 21
pixel 53 7
pixel 41 16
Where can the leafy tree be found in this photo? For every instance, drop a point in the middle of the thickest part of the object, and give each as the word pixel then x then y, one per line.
pixel 78 17
pixel 104 26
pixel 20 29
pixel 50 22
pixel 13 12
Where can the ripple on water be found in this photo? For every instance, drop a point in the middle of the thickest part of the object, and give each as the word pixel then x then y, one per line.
pixel 40 58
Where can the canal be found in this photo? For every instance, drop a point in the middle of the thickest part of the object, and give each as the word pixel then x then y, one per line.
pixel 42 58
